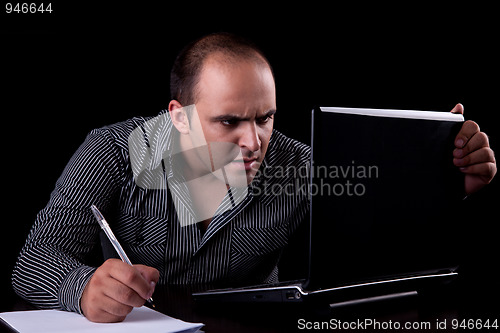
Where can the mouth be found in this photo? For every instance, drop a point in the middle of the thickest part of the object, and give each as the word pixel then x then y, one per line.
pixel 247 163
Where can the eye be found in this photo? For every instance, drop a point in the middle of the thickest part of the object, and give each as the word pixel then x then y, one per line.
pixel 229 122
pixel 264 119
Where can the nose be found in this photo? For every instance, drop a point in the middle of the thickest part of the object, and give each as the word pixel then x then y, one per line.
pixel 249 139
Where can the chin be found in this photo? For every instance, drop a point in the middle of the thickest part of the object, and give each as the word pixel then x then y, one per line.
pixel 250 176
pixel 239 179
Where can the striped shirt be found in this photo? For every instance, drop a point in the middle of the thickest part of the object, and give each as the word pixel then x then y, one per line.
pixel 241 245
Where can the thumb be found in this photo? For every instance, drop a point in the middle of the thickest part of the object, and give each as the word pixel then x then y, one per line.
pixel 459 108
pixel 150 274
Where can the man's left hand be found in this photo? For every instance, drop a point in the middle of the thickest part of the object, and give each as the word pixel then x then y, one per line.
pixel 473 155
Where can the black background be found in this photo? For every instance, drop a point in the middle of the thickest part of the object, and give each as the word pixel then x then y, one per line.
pixel 86 66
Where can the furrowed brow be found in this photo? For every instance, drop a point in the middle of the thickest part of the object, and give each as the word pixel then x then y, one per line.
pixel 269 113
pixel 229 117
pixel 232 117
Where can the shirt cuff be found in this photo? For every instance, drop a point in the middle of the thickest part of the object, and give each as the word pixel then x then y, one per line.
pixel 72 287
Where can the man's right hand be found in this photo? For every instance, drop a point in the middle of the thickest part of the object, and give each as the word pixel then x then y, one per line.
pixel 115 289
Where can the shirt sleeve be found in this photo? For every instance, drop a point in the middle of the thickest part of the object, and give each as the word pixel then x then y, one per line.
pixel 51 272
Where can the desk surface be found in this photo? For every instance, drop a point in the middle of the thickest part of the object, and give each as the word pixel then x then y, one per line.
pixel 298 317
pixel 444 308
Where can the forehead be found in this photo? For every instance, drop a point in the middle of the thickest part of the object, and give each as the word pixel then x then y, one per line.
pixel 224 80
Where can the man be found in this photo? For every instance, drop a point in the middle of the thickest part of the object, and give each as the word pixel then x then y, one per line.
pixel 223 96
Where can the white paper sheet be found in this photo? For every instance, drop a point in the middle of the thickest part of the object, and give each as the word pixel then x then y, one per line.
pixel 140 319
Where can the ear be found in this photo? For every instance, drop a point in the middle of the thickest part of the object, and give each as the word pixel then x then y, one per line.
pixel 179 116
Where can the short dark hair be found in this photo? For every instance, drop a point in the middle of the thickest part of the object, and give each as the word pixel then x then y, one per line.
pixel 189 63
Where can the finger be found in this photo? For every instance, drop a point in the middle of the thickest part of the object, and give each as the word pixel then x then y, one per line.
pixel 99 315
pixel 150 274
pixel 107 310
pixel 481 155
pixel 122 293
pixel 130 277
pixel 112 308
pixel 476 142
pixel 459 108
pixel 469 128
pixel 485 170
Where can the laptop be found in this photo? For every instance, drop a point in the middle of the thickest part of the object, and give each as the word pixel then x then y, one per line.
pixel 384 199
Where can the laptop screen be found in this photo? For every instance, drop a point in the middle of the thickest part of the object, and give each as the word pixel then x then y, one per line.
pixel 384 197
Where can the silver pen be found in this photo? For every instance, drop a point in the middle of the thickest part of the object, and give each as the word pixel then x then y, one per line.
pixel 107 230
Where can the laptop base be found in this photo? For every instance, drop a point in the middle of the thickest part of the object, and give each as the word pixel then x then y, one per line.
pixel 297 293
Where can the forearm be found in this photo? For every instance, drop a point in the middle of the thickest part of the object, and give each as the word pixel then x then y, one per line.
pixel 52 269
pixel 49 278
pixel 58 245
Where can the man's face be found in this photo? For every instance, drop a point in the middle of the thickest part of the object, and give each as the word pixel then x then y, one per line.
pixel 235 104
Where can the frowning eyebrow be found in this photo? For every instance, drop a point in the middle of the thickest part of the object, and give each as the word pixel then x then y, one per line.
pixel 269 113
pixel 233 117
